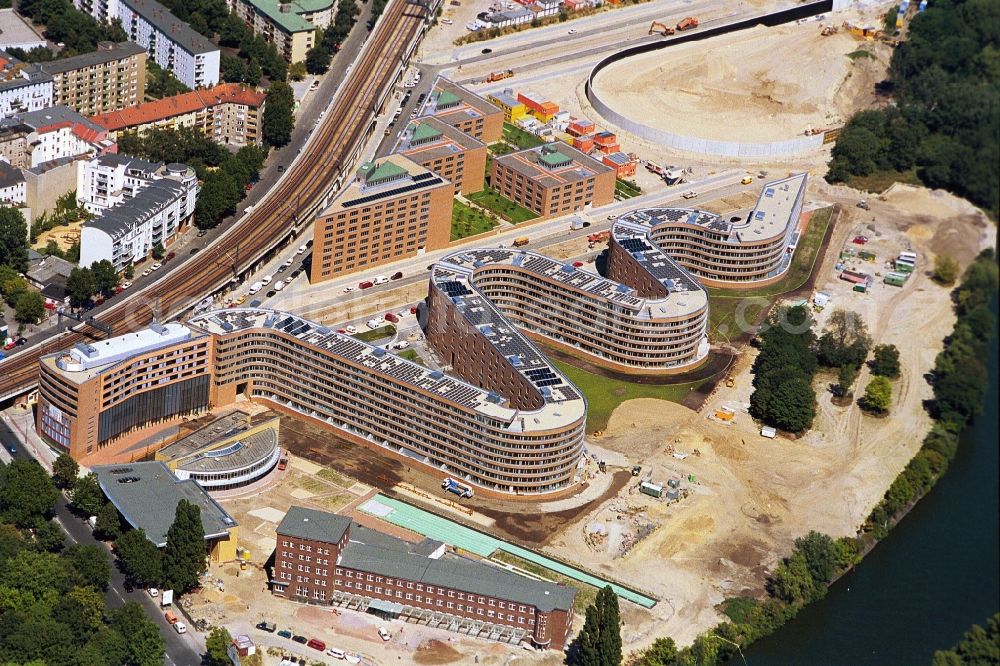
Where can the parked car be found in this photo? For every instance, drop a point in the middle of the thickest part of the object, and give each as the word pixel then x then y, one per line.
pixel 156 266
pixel 170 255
pixel 302 248
pixel 316 644
pixel 10 345
pixel 266 280
pixel 22 341
pixel 690 194
pixel 180 627
pixel 285 633
pixel 402 344
pixel 487 50
pixel 300 639
pixel 384 633
pixel 336 653
pixel 577 264
pixel 126 285
pixel 374 323
pixel 153 592
pixel 398 275
pixel 389 316
pixel 348 289
pixel 612 217
pixel 342 331
pixel 367 284
pixel 266 626
pixel 380 279
pixel 446 21
pixel 572 31
pixel 170 617
pixel 351 330
pixel 279 285
pixel 289 262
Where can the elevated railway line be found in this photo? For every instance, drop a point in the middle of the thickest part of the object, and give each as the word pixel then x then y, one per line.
pixel 321 169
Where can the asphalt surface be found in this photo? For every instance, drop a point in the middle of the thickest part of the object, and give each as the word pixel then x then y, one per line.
pixel 182 649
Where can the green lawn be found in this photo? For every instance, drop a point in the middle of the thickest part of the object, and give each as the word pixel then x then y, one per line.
pixel 604 393
pixel 502 206
pixel 411 354
pixel 467 221
pixel 518 138
pixel 585 594
pixel 499 148
pixel 626 190
pixel 880 181
pixel 730 312
pixel 372 335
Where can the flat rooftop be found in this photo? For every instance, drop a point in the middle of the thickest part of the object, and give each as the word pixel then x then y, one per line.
pixel 451 389
pixel 105 54
pixel 385 179
pixel 15 30
pixel 147 494
pixel 429 138
pixel 88 359
pixel 553 164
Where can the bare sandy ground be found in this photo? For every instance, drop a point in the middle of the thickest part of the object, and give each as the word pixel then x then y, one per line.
pixel 744 89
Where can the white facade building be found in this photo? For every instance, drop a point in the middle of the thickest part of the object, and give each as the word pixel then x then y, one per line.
pixel 109 180
pixel 23 87
pixel 171 43
pixel 13 191
pixel 60 132
pixel 127 232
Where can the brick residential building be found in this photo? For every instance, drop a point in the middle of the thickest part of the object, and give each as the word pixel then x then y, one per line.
pixel 553 179
pixel 395 208
pixel 325 558
pixel 464 109
pixel 229 113
pixel 447 151
pixel 112 77
pixel 290 26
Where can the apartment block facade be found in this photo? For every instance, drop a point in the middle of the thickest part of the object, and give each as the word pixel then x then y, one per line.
pixel 149 214
pixel 324 558
pixel 24 87
pixel 446 151
pixel 229 114
pixel 290 26
pixel 395 208
pixel 553 179
pixel 38 137
pixel 112 77
pixel 171 43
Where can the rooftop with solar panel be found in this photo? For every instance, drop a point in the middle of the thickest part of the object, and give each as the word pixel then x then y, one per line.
pixel 562 402
pixel 384 179
pixel 686 293
pixel 773 214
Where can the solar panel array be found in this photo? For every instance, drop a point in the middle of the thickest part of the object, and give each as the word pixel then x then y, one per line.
pixel 420 181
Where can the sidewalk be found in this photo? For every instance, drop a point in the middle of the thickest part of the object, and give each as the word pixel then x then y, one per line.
pixel 22 423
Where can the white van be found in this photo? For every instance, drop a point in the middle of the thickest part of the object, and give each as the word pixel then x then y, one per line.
pixel 374 323
pixel 266 280
pixel 336 653
pixel 255 287
pixel 279 285
pixel 180 627
pixel 380 279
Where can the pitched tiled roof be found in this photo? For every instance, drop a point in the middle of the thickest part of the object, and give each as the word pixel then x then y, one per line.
pixel 224 93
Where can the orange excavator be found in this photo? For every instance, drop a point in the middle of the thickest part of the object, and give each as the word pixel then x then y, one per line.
pixel 661 28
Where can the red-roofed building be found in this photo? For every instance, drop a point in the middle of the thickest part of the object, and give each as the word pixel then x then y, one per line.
pixel 229 113
pixel 623 163
pixel 607 142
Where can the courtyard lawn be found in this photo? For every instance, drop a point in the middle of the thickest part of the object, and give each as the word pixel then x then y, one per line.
pixel 604 394
pixel 467 221
pixel 518 138
pixel 379 333
pixel 502 206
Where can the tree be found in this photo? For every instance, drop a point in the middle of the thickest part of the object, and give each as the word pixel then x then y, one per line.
pixel 885 361
pixel 105 277
pixel 109 524
pixel 143 643
pixel 978 647
pixel 845 340
pixel 49 537
pixel 80 286
pixel 217 646
pixel 297 71
pixel 663 652
pixel 215 200
pixel 81 610
pixel 278 121
pixel 945 270
pixel 792 582
pixel 64 471
pixel 600 643
pixel 318 59
pixel 845 379
pixel 821 555
pixel 878 395
pixel 27 492
pixel 87 497
pixel 184 555
pixel 29 308
pixel 141 560
pixel 158 251
pixel 13 239
pixel 91 565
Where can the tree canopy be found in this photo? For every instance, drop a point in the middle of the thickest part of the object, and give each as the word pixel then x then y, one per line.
pixel 945 120
pixel 184 555
pixel 27 492
pixel 140 559
pixel 885 361
pixel 783 395
pixel 979 647
pixel 13 239
pixel 64 471
pixel 278 120
pixel 600 641
pixel 845 340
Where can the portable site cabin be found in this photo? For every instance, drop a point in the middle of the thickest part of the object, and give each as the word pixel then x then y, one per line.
pixel 896 279
pixel 860 288
pixel 821 299
pixel 903 266
pixel 769 432
pixel 910 257
pixel 724 414
pixel 867 256
pixel 855 277
pixel 651 489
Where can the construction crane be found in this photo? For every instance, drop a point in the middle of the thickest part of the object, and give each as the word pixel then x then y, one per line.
pixel 664 29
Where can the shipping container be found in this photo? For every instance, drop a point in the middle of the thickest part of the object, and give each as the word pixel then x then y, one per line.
pixel 896 279
pixel 860 288
pixel 651 489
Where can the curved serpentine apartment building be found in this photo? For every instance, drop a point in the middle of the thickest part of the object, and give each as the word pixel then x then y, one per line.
pixel 721 253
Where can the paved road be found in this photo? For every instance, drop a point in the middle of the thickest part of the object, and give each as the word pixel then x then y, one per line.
pixel 182 649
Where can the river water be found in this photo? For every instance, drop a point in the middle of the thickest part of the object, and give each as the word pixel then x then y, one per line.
pixel 921 588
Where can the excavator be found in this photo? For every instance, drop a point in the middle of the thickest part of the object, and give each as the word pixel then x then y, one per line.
pixel 664 29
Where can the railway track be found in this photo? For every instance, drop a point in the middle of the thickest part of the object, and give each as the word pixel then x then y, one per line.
pixel 299 194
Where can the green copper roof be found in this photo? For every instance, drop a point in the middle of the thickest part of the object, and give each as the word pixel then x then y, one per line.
pixel 378 173
pixel 554 158
pixel 291 21
pixel 422 132
pixel 446 99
